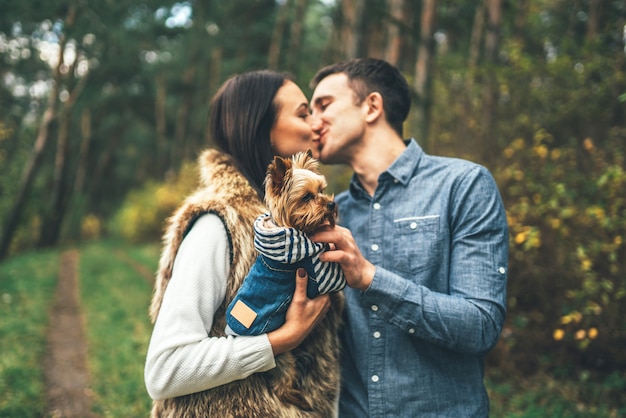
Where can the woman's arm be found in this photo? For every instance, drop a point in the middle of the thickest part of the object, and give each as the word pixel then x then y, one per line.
pixel 182 358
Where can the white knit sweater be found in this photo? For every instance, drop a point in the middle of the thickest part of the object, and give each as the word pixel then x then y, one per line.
pixel 182 358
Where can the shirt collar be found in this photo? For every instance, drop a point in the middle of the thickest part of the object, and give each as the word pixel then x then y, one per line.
pixel 405 165
pixel 401 170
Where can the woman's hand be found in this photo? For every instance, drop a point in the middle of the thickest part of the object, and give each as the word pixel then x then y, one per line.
pixel 302 316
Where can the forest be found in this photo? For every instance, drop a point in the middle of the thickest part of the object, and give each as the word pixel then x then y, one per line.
pixel 103 111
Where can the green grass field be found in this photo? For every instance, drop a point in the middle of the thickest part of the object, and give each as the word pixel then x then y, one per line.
pixel 115 298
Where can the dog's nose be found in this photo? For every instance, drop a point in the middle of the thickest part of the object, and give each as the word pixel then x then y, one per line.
pixel 331 205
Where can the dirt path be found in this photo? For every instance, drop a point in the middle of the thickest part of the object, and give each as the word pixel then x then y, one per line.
pixel 66 373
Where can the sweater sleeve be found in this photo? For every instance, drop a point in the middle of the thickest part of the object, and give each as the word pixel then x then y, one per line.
pixel 182 358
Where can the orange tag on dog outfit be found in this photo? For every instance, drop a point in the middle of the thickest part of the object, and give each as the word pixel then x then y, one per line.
pixel 243 313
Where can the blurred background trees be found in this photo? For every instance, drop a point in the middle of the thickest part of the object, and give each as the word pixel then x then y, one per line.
pixel 103 109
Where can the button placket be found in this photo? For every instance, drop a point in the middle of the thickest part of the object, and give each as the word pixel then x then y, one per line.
pixel 376 362
pixel 376 233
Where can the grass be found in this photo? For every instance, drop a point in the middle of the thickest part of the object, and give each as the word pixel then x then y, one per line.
pixel 27 287
pixel 115 300
pixel 544 396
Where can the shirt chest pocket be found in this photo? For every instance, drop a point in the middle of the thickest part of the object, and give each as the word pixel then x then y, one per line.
pixel 417 245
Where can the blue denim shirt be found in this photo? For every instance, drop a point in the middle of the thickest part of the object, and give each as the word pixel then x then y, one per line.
pixel 414 341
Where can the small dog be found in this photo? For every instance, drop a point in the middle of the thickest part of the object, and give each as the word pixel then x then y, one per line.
pixel 294 195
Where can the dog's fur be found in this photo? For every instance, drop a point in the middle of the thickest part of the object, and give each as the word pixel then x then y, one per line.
pixel 309 374
pixel 294 194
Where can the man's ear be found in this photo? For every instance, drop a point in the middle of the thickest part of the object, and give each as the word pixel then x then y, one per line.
pixel 375 108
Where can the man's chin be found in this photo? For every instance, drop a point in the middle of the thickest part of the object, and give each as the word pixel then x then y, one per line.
pixel 316 150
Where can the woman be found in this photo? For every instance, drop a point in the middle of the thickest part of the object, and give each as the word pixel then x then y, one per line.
pixel 192 368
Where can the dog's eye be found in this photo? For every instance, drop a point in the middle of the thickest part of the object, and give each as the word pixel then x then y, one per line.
pixel 308 197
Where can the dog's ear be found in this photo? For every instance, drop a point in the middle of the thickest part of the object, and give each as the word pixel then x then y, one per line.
pixel 277 172
pixel 309 153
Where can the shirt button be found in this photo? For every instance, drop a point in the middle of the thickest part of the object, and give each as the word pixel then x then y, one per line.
pixel 501 270
pixel 375 378
pixel 374 247
pixel 411 330
pixel 375 308
pixel 376 334
pixel 413 225
pixel 376 205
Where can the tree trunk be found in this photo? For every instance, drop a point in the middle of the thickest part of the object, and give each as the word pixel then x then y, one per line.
pixel 490 85
pixel 282 15
pixel 51 226
pixel 295 36
pixel 78 198
pixel 105 158
pixel 353 28
pixel 423 68
pixel 182 115
pixel 394 40
pixel 521 20
pixel 81 170
pixel 492 38
pixel 34 160
pixel 160 118
pixel 593 20
pixel 475 40
pixel 216 69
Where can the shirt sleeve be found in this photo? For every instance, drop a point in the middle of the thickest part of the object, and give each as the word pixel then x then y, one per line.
pixel 470 316
pixel 182 358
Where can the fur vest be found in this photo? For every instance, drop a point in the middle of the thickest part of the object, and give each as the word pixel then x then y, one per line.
pixel 305 381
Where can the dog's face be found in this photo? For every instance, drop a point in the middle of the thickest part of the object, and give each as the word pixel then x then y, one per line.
pixel 294 194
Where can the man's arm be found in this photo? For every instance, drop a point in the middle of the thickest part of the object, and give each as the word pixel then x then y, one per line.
pixel 467 319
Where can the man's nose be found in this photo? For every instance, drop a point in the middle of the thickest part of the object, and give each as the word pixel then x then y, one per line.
pixel 316 123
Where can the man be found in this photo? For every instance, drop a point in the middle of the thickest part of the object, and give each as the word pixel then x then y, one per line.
pixel 423 246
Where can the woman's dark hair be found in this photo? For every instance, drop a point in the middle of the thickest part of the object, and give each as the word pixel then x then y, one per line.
pixel 241 117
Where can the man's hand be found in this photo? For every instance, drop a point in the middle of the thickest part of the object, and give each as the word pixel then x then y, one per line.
pixel 358 271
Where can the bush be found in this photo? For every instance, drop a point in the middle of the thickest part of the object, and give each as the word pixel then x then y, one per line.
pixel 143 213
pixel 567 216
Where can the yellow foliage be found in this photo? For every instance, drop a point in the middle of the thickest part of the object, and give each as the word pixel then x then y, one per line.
pixel 574 317
pixel 143 214
pixel 592 333
pixel 555 223
pixel 597 213
pixel 521 237
pixel 91 227
pixel 558 334
pixel 541 151
pixel 518 144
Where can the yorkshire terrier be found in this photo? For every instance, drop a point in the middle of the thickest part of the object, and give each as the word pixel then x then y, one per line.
pixel 294 195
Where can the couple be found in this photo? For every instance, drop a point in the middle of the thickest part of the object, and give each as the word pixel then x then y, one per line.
pixel 423 244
